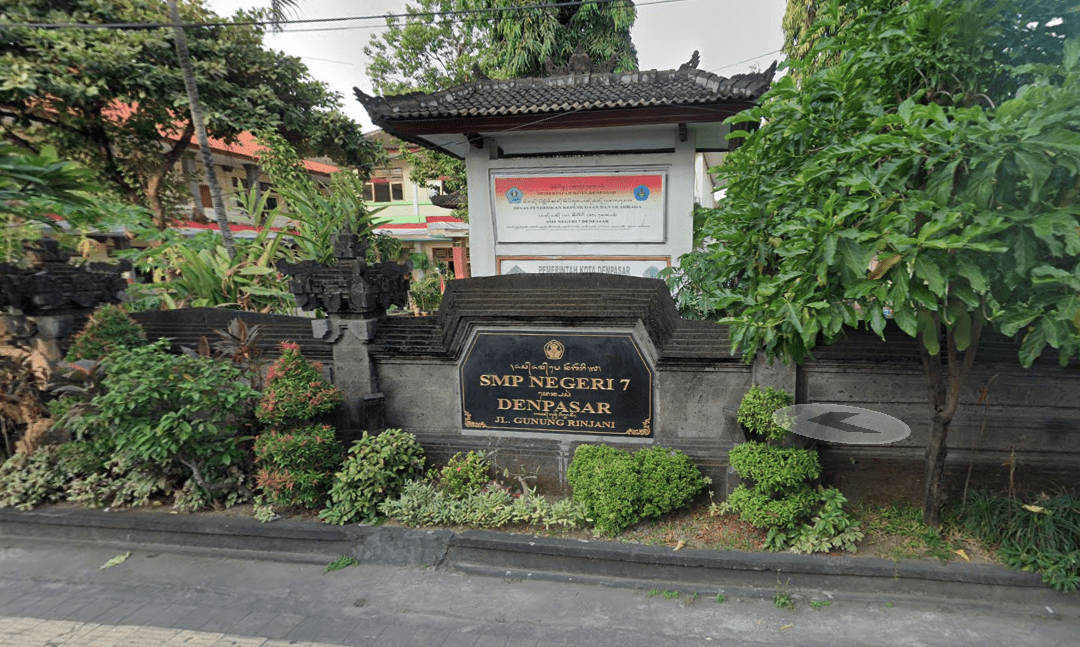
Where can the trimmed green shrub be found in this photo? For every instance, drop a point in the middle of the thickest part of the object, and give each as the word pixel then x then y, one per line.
pixel 766 511
pixel 756 411
pixel 619 489
pixel 376 469
pixel 296 466
pixel 464 474
pixel 783 502
pixel 774 468
pixel 295 390
pixel 669 480
pixel 108 329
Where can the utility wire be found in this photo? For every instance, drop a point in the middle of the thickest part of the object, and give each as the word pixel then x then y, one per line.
pixel 752 58
pixel 264 23
pixel 286 29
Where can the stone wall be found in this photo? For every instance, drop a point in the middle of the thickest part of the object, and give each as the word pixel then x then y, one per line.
pixel 1016 427
pixel 1024 433
pixel 695 377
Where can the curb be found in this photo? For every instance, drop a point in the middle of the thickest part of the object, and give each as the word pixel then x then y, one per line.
pixel 526 556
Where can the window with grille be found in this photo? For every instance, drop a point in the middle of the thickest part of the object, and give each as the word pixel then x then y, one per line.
pixel 385 185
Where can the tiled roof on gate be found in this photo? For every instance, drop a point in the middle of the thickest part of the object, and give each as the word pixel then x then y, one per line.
pixel 575 91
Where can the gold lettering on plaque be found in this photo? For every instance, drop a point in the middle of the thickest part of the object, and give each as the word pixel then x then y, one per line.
pixel 469 421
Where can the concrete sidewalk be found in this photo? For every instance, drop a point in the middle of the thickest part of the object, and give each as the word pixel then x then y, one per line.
pixel 520 557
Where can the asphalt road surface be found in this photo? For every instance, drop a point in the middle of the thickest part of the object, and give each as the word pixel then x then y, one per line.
pixel 57 594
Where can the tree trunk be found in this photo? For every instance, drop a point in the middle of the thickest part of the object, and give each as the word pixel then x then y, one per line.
pixel 156 181
pixel 200 130
pixel 944 383
pixel 251 175
pixel 97 133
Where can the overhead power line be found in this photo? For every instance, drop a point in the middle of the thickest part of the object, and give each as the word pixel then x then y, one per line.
pixel 266 23
pixel 752 58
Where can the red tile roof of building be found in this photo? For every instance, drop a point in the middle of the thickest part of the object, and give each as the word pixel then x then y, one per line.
pixel 245 147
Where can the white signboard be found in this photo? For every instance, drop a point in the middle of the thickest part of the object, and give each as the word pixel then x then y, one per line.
pixel 647 266
pixel 579 208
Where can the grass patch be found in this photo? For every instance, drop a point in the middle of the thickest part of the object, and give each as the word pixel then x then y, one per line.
pixel 696 528
pixel 341 562
pixel 897 532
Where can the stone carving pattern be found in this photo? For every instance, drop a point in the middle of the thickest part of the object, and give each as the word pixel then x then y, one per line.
pixel 52 285
pixel 350 285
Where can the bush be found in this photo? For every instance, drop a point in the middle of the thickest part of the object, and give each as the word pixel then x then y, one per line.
pixel 82 472
pixel 423 504
pixel 119 483
pixel 766 511
pixel 107 330
pixel 830 529
pixel 782 500
pixel 619 489
pixel 464 474
pixel 756 412
pixel 172 411
pixel 376 469
pixel 29 480
pixel 296 467
pixel 1041 536
pixel 669 480
pixel 295 390
pixel 772 468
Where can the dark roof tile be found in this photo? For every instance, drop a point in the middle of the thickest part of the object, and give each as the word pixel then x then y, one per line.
pixel 580 91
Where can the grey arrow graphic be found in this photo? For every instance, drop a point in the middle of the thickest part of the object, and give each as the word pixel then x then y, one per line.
pixel 835 420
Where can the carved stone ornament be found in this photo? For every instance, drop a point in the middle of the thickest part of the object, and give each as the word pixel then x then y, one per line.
pixel 350 285
pixel 579 63
pixel 52 285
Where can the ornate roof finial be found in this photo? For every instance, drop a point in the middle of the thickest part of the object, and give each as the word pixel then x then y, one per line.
pixel 692 63
pixel 580 63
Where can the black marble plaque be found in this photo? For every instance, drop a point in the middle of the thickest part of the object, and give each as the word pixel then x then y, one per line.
pixel 562 382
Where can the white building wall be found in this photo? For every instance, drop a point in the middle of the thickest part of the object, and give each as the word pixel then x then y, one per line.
pixel 679 167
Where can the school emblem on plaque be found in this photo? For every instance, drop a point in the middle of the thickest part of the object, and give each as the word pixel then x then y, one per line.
pixel 554 350
pixel 641 193
pixel 514 195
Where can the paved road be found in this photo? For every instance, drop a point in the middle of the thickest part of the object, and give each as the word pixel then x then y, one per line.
pixel 55 594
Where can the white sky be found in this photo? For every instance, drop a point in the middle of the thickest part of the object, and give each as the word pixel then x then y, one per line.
pixel 733 36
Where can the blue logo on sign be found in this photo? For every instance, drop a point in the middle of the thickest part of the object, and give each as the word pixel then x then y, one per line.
pixel 514 195
pixel 641 193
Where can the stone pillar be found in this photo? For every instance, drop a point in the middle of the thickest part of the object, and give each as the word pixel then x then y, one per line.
pixel 354 373
pixel 776 374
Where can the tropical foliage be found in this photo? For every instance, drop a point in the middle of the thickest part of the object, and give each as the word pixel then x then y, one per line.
pixel 38 188
pixel 109 97
pixel 199 271
pixel 929 172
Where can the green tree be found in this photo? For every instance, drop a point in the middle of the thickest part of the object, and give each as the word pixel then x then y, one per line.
pixel 432 50
pixel 106 97
pixel 923 172
pixel 802 29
